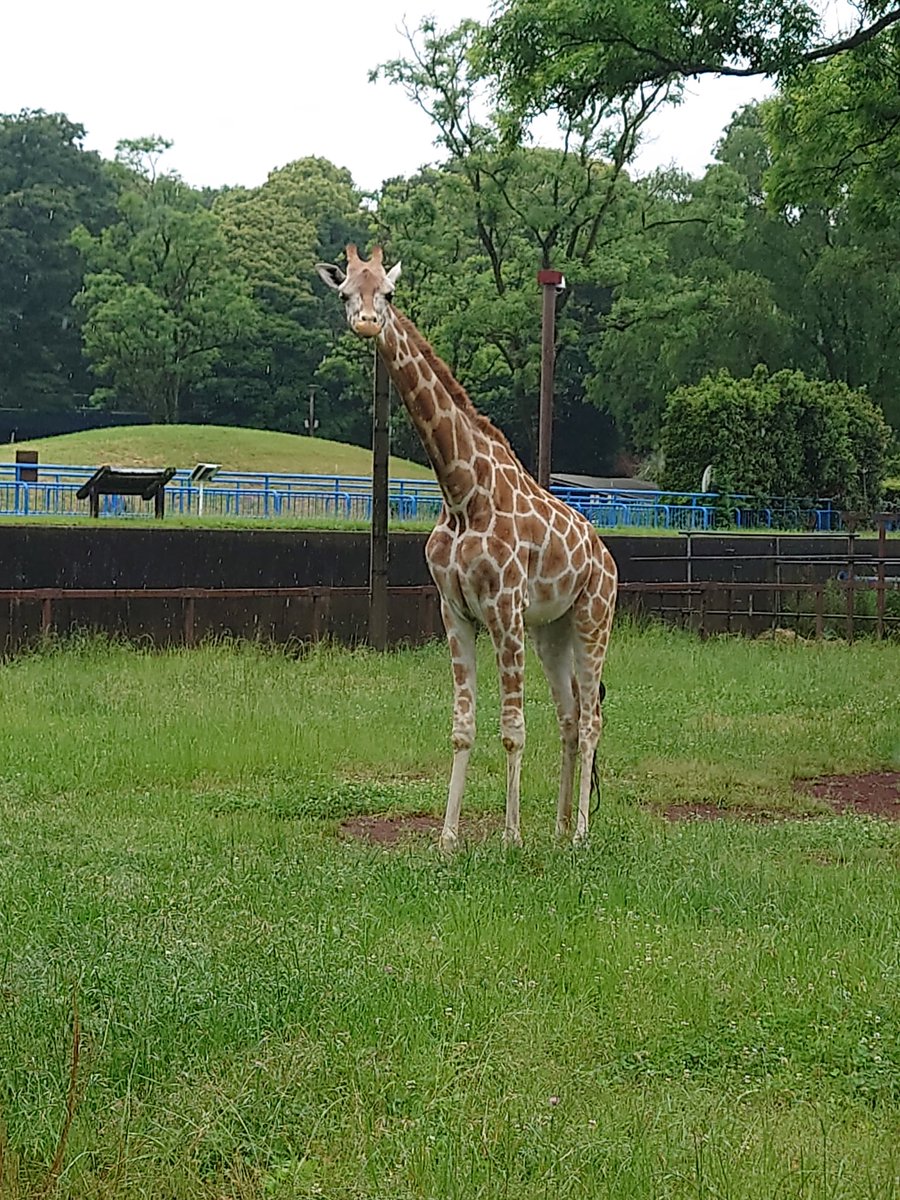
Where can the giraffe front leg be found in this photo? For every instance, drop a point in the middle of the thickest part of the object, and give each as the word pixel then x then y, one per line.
pixel 509 643
pixel 461 640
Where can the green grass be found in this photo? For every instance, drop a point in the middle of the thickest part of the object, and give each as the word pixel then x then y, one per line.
pixel 236 449
pixel 694 1011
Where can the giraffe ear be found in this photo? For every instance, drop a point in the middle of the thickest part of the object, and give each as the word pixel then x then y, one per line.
pixel 330 274
pixel 393 275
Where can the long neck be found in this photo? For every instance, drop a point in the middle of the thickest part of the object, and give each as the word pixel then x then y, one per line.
pixel 438 407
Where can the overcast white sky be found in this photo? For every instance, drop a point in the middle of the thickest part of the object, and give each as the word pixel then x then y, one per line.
pixel 242 89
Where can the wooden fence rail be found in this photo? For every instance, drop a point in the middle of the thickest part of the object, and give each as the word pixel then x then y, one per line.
pixel 186 615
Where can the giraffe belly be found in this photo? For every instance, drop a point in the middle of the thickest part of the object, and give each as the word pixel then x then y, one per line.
pixel 541 609
pixel 471 581
pixel 470 601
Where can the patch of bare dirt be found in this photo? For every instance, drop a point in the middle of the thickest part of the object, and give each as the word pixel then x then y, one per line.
pixel 873 794
pixel 712 812
pixel 695 812
pixel 384 830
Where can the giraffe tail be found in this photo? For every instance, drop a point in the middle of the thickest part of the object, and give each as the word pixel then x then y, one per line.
pixel 595 771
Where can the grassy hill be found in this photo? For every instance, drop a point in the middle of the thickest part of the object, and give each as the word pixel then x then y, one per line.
pixel 184 445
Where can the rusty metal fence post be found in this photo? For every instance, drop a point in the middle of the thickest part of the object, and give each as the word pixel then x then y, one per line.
pixel 851 588
pixel 378 553
pixel 550 281
pixel 880 576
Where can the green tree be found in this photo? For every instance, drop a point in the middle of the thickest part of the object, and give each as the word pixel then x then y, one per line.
pixel 835 134
pixel 776 435
pixel 49 184
pixel 305 212
pixel 327 196
pixel 573 54
pixel 727 282
pixel 484 317
pixel 475 231
pixel 259 380
pixel 159 301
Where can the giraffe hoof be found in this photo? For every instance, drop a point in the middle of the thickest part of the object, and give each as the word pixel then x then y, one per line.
pixel 580 840
pixel 512 839
pixel 449 842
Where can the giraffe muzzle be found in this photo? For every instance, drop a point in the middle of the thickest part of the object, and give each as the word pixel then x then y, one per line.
pixel 367 327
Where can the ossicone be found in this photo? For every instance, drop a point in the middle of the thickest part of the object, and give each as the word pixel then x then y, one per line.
pixel 330 274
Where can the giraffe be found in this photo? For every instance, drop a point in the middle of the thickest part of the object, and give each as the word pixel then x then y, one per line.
pixel 504 553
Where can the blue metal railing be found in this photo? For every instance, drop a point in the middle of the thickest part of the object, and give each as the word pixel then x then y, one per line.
pixel 278 494
pixel 698 510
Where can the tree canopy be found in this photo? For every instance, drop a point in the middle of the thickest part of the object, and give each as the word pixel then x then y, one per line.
pixel 123 286
pixel 304 212
pixel 727 281
pixel 835 134
pixel 48 184
pixel 574 54
pixel 159 301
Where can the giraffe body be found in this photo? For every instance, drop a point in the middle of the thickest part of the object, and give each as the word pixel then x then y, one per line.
pixel 505 554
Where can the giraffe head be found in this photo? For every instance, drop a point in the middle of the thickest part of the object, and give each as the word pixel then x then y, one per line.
pixel 366 289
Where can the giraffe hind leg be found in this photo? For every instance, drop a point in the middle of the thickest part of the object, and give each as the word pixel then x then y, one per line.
pixel 554 646
pixel 593 615
pixel 595 770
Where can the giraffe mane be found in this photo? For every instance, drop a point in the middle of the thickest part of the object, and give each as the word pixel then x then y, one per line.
pixel 454 388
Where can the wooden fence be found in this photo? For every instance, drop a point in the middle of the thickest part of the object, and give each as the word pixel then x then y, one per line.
pixel 186 616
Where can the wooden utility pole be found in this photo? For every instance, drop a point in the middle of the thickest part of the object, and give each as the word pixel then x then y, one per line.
pixel 378 544
pixel 551 283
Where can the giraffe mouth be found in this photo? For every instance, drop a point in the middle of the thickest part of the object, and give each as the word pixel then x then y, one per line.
pixel 367 327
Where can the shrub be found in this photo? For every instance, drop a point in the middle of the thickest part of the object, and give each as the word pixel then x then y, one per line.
pixel 776 435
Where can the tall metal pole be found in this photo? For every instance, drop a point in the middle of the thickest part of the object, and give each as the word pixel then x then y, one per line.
pixel 550 282
pixel 378 547
pixel 311 419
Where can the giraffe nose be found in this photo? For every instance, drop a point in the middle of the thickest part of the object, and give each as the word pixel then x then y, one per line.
pixel 367 325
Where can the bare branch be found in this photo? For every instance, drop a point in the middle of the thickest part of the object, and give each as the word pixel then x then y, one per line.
pixel 859 38
pixel 670 68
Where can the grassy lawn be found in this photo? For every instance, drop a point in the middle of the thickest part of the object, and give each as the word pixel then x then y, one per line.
pixel 266 1010
pixel 234 448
